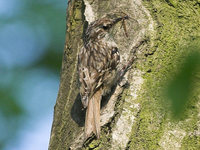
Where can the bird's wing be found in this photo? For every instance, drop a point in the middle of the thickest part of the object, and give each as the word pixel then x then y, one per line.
pixel 95 63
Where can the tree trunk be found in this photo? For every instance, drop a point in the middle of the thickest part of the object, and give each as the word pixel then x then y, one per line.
pixel 133 117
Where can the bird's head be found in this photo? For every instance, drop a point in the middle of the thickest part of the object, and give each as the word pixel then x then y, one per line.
pixel 99 28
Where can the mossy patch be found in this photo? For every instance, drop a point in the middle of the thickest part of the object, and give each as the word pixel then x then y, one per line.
pixel 177 24
pixel 191 143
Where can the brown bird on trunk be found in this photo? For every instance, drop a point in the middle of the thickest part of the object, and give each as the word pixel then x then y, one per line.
pixel 97 67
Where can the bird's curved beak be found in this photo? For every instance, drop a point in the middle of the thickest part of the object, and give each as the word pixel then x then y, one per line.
pixel 120 18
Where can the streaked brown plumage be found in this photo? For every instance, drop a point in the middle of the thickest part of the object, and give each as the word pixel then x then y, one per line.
pixel 97 65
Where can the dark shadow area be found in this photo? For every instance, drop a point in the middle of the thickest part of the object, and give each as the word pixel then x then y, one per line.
pixel 78 112
pixel 106 97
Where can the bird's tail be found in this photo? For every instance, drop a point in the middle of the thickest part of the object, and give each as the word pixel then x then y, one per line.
pixel 92 120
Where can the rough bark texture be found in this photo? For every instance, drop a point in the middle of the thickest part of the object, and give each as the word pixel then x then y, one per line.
pixel 133 118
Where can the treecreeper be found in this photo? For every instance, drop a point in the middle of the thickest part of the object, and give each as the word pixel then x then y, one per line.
pixel 98 67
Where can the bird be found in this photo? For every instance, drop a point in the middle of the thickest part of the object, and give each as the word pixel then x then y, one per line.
pixel 98 62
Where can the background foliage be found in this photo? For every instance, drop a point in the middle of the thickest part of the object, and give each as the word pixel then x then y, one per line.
pixel 32 35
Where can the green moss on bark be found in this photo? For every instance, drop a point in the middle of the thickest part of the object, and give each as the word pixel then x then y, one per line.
pixel 178 24
pixel 191 143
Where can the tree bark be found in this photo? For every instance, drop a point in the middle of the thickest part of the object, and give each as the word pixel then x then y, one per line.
pixel 132 117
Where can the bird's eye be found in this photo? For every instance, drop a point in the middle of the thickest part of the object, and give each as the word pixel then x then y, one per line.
pixel 105 27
